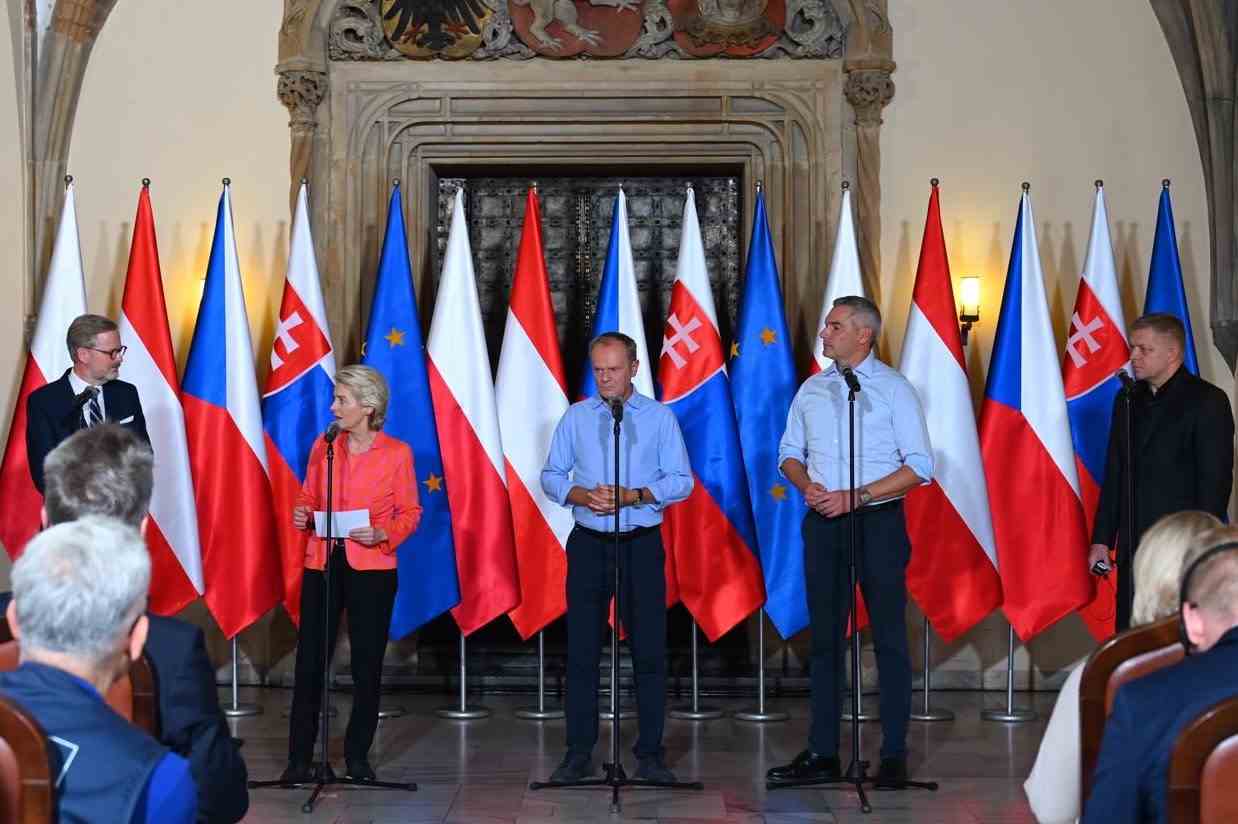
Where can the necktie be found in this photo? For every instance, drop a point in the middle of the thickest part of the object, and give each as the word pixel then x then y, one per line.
pixel 94 413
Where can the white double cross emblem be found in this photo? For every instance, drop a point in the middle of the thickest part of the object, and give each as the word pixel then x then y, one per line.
pixel 1081 333
pixel 681 336
pixel 286 325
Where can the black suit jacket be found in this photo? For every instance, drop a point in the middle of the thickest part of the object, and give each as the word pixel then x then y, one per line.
pixel 1184 457
pixel 52 414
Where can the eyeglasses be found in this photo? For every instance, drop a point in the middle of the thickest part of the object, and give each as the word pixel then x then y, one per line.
pixel 114 354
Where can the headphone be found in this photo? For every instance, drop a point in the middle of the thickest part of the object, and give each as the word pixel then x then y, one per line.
pixel 1187 645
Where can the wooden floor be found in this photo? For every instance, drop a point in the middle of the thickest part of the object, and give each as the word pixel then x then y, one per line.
pixel 479 771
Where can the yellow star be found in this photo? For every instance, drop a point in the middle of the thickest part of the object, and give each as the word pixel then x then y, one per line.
pixel 394 338
pixel 434 483
pixel 735 349
pixel 778 492
pixel 363 349
pixel 768 336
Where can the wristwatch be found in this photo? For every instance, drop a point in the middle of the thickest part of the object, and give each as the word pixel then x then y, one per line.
pixel 865 496
pixel 640 496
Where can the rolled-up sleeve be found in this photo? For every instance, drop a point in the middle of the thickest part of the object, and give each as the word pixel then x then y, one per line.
pixel 674 482
pixel 793 443
pixel 556 474
pixel 911 431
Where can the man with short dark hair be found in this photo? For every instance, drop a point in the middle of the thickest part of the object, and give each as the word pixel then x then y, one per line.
pixel 88 393
pixel 1132 772
pixel 1183 449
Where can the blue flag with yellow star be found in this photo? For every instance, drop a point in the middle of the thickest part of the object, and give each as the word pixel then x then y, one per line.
pixel 763 383
pixel 426 561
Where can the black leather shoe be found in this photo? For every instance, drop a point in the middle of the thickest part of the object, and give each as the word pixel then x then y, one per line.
pixel 653 768
pixel 360 770
pixel 573 767
pixel 807 766
pixel 892 774
pixel 297 773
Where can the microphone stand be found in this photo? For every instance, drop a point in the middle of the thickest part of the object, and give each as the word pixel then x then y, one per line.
pixel 614 777
pixel 856 774
pixel 324 775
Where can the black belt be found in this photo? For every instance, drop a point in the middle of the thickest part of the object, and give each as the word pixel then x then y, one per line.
pixel 630 535
pixel 884 506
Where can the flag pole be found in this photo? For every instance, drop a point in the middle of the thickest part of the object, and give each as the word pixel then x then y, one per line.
pixel 927 713
pixel 236 709
pixel 1009 714
pixel 463 711
pixel 760 714
pixel 694 711
pixel 540 712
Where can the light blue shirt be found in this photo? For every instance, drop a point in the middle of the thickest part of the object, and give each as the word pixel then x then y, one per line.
pixel 652 454
pixel 889 427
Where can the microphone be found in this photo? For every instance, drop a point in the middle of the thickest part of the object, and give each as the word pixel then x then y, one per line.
pixel 616 409
pixel 1128 383
pixel 80 401
pixel 853 383
pixel 332 431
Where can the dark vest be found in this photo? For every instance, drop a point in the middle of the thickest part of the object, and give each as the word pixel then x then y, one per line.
pixel 100 762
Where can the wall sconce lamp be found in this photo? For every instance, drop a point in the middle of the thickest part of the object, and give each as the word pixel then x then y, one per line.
pixel 969 304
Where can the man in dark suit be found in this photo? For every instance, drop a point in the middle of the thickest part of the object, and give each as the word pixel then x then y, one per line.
pixel 106 470
pixel 1183 448
pixel 87 393
pixel 1132 773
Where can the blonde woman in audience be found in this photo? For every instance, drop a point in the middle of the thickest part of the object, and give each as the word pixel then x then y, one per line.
pixel 1053 786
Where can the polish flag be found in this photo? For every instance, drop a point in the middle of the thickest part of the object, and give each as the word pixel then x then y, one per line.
pixel 227 452
pixel 1029 460
pixel 531 388
pixel 64 298
pixel 150 365
pixel 953 570
pixel 468 430
pixel 844 278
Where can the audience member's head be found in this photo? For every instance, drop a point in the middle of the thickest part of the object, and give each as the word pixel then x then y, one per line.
pixel 79 596
pixel 1158 563
pixel 1209 588
pixel 104 470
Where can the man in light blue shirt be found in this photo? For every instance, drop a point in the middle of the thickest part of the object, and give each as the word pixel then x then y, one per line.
pixel 653 474
pixel 892 456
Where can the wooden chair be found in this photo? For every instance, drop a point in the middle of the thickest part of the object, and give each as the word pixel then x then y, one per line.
pixel 1123 658
pixel 26 784
pixel 1203 768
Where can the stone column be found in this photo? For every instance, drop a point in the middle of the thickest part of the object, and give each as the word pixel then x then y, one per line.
pixel 301 91
pixel 868 89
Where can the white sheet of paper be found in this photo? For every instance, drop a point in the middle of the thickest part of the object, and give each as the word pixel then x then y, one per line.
pixel 343 522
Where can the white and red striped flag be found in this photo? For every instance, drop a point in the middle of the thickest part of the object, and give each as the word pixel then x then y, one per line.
pixel 64 298
pixel 150 364
pixel 531 388
pixel 953 570
pixel 468 431
pixel 844 278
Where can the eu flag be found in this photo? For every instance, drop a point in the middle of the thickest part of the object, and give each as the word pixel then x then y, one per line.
pixel 426 561
pixel 763 383
pixel 1165 290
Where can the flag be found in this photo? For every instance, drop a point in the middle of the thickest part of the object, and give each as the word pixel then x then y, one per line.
pixel 296 403
pixel 468 428
pixel 1165 290
pixel 64 298
pixel 953 570
pixel 1029 461
pixel 531 389
pixel 763 382
pixel 844 278
pixel 618 305
pixel 1096 349
pixel 227 453
pixel 710 535
pixel 426 561
pixel 150 365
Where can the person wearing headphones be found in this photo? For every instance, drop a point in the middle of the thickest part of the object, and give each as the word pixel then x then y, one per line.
pixel 1132 773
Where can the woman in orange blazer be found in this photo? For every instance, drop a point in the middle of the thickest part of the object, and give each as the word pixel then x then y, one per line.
pixel 372 471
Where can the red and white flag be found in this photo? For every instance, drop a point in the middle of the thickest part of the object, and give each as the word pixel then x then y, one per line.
pixel 64 298
pixel 953 570
pixel 531 388
pixel 150 364
pixel 844 278
pixel 468 431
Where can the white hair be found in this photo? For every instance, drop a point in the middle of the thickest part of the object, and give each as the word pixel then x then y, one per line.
pixel 79 587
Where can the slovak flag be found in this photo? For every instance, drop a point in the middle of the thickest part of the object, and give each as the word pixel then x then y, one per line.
pixel 227 450
pixel 710 535
pixel 296 405
pixel 1096 348
pixel 1029 461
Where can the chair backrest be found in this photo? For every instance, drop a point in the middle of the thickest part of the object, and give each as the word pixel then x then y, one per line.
pixel 26 795
pixel 1123 658
pixel 1203 768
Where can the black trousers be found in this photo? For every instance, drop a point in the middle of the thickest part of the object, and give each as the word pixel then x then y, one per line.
pixel 882 553
pixel 642 601
pixel 368 597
